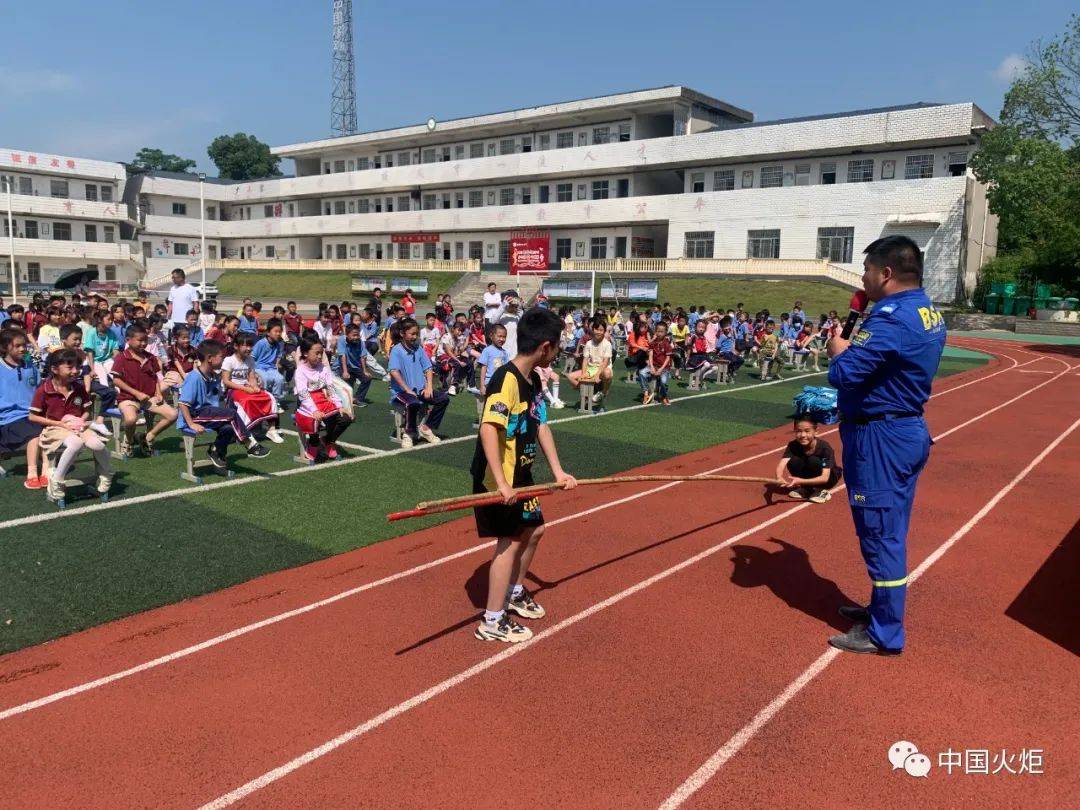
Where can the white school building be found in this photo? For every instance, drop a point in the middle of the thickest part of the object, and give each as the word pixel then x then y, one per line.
pixel 667 173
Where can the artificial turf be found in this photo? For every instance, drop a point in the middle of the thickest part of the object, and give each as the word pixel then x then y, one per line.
pixel 77 571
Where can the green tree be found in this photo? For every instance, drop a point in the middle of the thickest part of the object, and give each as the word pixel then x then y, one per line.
pixel 1044 99
pixel 243 157
pixel 156 160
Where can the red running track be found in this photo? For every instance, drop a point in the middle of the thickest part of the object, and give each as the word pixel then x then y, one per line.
pixel 674 619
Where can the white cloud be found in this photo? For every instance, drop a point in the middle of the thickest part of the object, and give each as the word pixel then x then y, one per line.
pixel 1010 68
pixel 31 82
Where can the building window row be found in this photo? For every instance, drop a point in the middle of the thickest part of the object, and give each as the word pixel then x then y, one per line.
pixel 61 231
pixel 834 244
pixel 59 189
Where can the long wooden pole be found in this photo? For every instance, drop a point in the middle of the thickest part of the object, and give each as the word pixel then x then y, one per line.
pixel 491 499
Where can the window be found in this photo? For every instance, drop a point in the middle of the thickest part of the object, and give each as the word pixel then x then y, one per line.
pixel 326 168
pixel 564 192
pixel 268 211
pixel 58 188
pixel 526 195
pixel 476 150
pixel 404 158
pixel 697 182
pixel 600 189
pixel 860 171
pixel 582 138
pixel 106 194
pixel 352 206
pixel 699 245
pixel 180 248
pixel 33 272
pixel 446 154
pixel 30 230
pixel 91 192
pixel 61 231
pixel 506 196
pixel 624 132
pixel 772 176
pixel 476 250
pixel 545 194
pixel 459 199
pixel 504 251
pixel 339 165
pixel 526 143
pixel 491 196
pixel 365 251
pixel 476 199
pixel 178 209
pixel 339 207
pixel 581 191
pixel 601 134
pixel 110 272
pixel 211 252
pixel 363 207
pixel 802 174
pixel 545 142
pixel 598 247
pixel 723 180
pixel 429 250
pixel 835 244
pixel 363 164
pixel 506 146
pixel 763 244
pixel 26 186
pixel 828 174
pixel 428 155
pixel 341 252
pixel 109 233
pixel 563 249
pixel 352 165
pixel 623 187
pixel 748 178
pixel 957 163
pixel 918 167
pixel 402 250
pixel 429 202
pixel 271 252
pixel 91 233
pixel 564 140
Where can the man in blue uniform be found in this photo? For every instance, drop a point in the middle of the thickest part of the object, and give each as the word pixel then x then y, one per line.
pixel 883 376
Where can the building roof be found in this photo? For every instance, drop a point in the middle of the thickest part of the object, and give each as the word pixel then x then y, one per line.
pixel 917 105
pixel 666 93
pixel 193 176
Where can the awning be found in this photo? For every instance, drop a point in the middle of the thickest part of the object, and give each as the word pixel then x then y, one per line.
pixel 934 219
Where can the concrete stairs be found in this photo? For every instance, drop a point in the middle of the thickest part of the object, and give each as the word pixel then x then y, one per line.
pixel 472 286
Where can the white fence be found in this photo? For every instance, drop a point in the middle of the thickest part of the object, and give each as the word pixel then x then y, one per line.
pixel 771 268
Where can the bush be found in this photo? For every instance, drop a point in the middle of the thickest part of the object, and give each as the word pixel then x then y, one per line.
pixel 1003 267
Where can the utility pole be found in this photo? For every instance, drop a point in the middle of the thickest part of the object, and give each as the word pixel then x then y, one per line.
pixel 343 94
pixel 11 241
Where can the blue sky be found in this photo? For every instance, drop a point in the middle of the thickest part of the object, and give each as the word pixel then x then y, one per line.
pixel 101 79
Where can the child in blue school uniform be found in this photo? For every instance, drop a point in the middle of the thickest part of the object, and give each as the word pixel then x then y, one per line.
pixel 351 363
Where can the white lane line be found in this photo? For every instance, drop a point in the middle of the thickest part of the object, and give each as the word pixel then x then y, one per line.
pixel 180 492
pixel 1036 371
pixel 714 763
pixel 271 620
pixel 339 443
pixel 423 697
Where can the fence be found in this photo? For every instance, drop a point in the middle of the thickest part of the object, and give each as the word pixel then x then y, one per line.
pixel 772 268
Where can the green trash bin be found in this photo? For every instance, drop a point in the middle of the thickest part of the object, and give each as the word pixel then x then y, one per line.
pixel 992 306
pixel 1004 288
pixel 1042 291
pixel 1041 301
pixel 1008 305
pixel 1071 303
pixel 1022 303
pixel 1053 302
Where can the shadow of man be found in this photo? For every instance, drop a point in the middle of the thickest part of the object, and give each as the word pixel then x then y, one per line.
pixel 788 573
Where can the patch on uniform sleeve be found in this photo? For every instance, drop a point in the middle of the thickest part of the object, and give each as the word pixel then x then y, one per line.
pixel 499 408
pixel 862 338
pixel 887 308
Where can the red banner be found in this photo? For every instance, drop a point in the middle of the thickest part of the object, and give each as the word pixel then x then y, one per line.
pixel 410 238
pixel 529 251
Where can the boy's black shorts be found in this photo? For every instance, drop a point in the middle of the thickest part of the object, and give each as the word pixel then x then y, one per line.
pixel 506 521
pixel 14 436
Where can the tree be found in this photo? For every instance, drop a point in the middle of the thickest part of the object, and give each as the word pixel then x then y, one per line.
pixel 1044 100
pixel 243 157
pixel 156 160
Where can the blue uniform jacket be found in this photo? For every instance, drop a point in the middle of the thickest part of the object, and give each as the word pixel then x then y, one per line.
pixel 891 362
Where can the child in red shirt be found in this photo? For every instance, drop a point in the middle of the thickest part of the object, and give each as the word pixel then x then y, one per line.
pixel 137 375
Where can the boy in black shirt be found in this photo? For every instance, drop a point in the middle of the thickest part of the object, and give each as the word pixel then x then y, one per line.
pixel 808 467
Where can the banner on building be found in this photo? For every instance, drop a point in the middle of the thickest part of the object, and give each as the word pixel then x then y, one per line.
pixel 411 238
pixel 529 251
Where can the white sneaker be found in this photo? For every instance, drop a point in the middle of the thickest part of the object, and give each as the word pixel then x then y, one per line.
pixel 104 484
pixel 558 403
pixel 273 435
pixel 406 441
pixel 597 397
pixel 428 435
pixel 472 389
pixel 452 390
pixel 101 429
pixel 386 378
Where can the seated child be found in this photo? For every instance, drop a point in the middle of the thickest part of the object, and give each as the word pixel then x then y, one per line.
pixel 808 468
pixel 137 375
pixel 351 363
pixel 725 346
pixel 697 350
pixel 769 351
pixel 657 366
pixel 191 320
pixel 18 381
pixel 596 363
pixel 807 346
pixel 202 407
pixel 549 384
pixel 244 389
pixel 180 358
pixel 267 355
pixel 319 406
pixel 452 358
pixel 61 407
pixel 412 386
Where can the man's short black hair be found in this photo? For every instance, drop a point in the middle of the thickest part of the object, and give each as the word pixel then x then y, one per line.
pixel 536 327
pixel 899 253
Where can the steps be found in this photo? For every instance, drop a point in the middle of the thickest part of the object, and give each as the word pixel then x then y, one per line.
pixel 471 288
pixel 1061 328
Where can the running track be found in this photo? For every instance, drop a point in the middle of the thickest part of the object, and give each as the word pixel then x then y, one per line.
pixel 683 659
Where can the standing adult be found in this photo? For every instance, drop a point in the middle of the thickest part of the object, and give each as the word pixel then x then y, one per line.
pixel 883 377
pixel 375 304
pixel 182 299
pixel 492 302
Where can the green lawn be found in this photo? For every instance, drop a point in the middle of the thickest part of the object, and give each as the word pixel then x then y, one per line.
pixel 278 286
pixel 64 575
pixel 776 296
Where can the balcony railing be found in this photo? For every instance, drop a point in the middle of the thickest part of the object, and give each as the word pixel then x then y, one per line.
pixel 63 208
pixel 426 265
pixel 748 268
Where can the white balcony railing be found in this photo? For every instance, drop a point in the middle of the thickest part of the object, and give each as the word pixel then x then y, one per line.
pixel 362 265
pixel 61 208
pixel 748 268
pixel 30 249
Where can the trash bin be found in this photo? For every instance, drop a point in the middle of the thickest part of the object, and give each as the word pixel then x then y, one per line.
pixel 1042 291
pixel 1041 301
pixel 992 305
pixel 1070 303
pixel 1003 288
pixel 1008 305
pixel 1022 303
pixel 1053 302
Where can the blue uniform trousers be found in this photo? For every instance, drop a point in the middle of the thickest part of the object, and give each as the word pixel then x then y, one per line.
pixel 882 462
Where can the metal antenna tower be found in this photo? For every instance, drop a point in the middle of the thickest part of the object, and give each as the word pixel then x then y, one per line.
pixel 343 96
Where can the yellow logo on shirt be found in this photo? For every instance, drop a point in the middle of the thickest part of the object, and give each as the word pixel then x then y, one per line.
pixel 861 338
pixel 930 317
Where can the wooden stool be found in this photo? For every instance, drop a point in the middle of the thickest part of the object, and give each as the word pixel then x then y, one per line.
pixel 587 390
pixel 193 465
pixel 723 371
pixel 399 424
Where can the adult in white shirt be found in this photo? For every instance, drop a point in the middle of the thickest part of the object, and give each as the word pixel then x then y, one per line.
pixel 492 302
pixel 182 299
pixel 507 315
